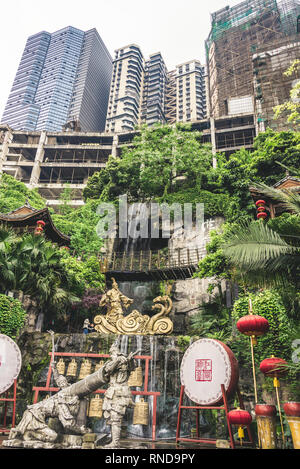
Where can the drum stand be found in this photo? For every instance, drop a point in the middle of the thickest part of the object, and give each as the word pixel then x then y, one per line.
pixel 217 407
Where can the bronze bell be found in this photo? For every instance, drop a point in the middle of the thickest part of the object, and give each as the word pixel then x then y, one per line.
pixel 95 407
pixel 136 377
pixel 61 367
pixel 85 369
pixel 72 368
pixel 99 365
pixel 141 413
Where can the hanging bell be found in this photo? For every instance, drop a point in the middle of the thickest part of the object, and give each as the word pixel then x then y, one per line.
pixel 72 368
pixel 61 367
pixel 141 413
pixel 136 377
pixel 99 365
pixel 95 407
pixel 85 369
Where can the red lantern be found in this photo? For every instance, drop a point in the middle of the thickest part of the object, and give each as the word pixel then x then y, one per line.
pixel 240 418
pixel 253 325
pixel 261 209
pixel 260 203
pixel 39 227
pixel 273 367
pixel 40 222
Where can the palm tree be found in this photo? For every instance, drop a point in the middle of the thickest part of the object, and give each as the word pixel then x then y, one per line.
pixel 7 264
pixel 33 265
pixel 262 255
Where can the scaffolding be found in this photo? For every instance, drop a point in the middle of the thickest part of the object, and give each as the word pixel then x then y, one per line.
pixel 236 35
pixel 271 86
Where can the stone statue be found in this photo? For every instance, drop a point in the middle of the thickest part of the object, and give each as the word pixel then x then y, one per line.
pixel 63 405
pixel 118 395
pixel 114 322
pixel 34 431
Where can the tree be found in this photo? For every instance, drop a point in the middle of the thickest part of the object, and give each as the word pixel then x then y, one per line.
pixel 291 108
pixel 14 194
pixel 80 224
pixel 162 159
pixel 273 151
pixel 49 275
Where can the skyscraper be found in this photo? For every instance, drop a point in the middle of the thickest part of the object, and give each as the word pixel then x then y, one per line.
pixel 154 92
pixel 126 89
pixel 191 93
pixel 145 92
pixel 62 76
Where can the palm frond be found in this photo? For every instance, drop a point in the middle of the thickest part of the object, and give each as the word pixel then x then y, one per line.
pixel 255 247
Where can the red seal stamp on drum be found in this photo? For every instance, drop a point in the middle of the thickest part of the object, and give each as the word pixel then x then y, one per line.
pixel 203 370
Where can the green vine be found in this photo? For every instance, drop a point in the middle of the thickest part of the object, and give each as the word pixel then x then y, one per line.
pixel 12 316
pixel 277 340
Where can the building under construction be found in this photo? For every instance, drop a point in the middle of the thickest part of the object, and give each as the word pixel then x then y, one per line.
pixel 50 160
pixel 249 47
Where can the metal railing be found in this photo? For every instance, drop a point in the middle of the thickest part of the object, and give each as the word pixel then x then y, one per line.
pixel 143 261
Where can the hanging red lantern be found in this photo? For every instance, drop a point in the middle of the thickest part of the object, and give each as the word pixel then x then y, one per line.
pixel 260 203
pixel 240 418
pixel 261 209
pixel 40 223
pixel 273 367
pixel 253 325
pixel 39 227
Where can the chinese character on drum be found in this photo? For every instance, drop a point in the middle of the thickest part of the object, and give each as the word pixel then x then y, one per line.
pixel 203 370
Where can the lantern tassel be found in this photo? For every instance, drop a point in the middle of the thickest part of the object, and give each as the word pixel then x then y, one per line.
pixel 241 434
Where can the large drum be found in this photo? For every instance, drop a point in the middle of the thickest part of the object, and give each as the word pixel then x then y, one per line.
pixel 10 362
pixel 206 365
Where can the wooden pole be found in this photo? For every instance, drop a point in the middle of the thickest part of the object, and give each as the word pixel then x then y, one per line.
pixel 253 369
pixel 276 385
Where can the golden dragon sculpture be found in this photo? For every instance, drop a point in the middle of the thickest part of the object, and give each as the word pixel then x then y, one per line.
pixel 114 322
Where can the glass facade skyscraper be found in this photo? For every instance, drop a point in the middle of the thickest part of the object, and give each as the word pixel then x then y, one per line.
pixel 61 77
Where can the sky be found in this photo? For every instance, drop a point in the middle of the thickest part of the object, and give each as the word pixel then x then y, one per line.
pixel 176 28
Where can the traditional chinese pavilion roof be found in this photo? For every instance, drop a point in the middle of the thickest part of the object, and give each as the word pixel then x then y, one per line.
pixel 25 218
pixel 287 183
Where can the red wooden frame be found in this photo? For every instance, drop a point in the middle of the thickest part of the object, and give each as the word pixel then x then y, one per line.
pixel 219 407
pixel 143 392
pixel 6 399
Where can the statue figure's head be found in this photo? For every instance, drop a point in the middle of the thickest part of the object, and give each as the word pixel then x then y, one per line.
pixel 114 284
pixel 62 382
pixel 114 349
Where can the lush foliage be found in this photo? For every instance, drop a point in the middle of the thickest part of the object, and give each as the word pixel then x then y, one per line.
pixel 12 316
pixel 49 275
pixel 80 224
pixel 291 108
pixel 161 160
pixel 14 194
pixel 277 341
